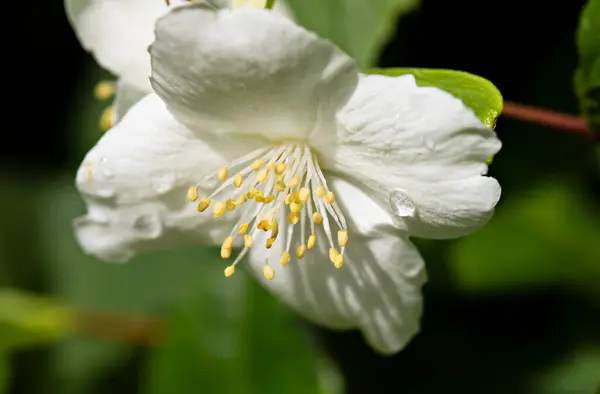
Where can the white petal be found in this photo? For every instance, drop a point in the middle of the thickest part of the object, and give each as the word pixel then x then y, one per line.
pixel 126 97
pixel 423 145
pixel 248 71
pixel 135 181
pixel 378 290
pixel 118 33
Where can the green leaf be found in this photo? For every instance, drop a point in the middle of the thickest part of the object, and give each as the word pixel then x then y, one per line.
pixel 587 76
pixel 358 27
pixel 548 235
pixel 476 92
pixel 28 320
pixel 234 338
pixel 578 373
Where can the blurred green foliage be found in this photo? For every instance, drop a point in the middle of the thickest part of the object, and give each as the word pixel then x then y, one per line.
pixel 587 78
pixel 358 27
pixel 232 337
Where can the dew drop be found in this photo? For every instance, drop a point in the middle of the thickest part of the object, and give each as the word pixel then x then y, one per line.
pixel 402 205
pixel 105 168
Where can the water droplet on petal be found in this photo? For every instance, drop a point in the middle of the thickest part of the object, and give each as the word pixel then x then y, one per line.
pixel 402 205
pixel 164 183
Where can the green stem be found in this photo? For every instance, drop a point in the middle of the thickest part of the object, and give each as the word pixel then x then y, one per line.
pixel 270 4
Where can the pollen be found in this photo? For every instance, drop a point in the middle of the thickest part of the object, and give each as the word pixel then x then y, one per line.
pixel 106 119
pixel 219 210
pixel 238 179
pixel 285 258
pixel 104 90
pixel 301 251
pixel 343 238
pixel 329 197
pixel 229 271
pixel 222 174
pixel 268 272
pixel 265 188
pixel 192 194
pixel 317 218
pixel 311 241
pixel 203 204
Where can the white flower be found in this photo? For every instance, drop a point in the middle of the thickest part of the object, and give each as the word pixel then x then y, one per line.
pixel 118 33
pixel 299 156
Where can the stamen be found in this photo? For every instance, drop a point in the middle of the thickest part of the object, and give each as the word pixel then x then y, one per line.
pixel 192 194
pixel 276 181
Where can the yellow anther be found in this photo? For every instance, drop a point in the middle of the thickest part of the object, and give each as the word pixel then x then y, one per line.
pixel 257 164
pixel 295 181
pixel 203 204
pixel 238 179
pixel 241 200
pixel 192 194
pixel 339 261
pixel 229 271
pixel 280 168
pixel 293 217
pixel 304 194
pixel 301 251
pixel 320 192
pixel 248 241
pixel 288 199
pixel 280 186
pixel 263 225
pixel 285 258
pixel 222 174
pixel 243 228
pixel 218 209
pixel 343 237
pixel 104 90
pixel 227 243
pixel 268 272
pixel 273 225
pixel 317 218
pixel 106 119
pixel 262 176
pixel 252 193
pixel 329 198
pixel 311 241
pixel 269 198
pixel 226 253
pixel 230 205
pixel 296 207
pixel 269 243
pixel 333 254
pixel 270 166
pixel 260 197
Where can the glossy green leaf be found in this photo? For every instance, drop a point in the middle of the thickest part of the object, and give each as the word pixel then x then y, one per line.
pixel 234 338
pixel 587 77
pixel 358 27
pixel 476 92
pixel 28 320
pixel 547 236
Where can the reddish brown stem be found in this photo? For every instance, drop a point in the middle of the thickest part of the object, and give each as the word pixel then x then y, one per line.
pixel 141 331
pixel 545 117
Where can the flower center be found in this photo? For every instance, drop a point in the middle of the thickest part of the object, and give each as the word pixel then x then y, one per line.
pixel 262 184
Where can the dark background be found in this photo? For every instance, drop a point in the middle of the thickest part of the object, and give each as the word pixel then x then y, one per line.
pixel 471 343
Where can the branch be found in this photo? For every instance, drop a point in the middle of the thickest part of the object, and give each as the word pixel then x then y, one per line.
pixel 140 330
pixel 545 117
